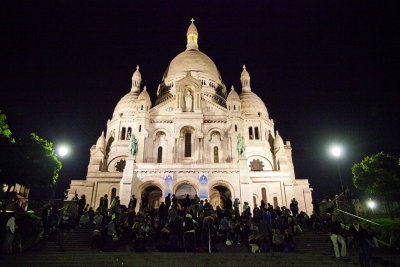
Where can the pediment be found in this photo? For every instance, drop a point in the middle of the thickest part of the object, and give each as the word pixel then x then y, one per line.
pixel 188 82
pixel 211 108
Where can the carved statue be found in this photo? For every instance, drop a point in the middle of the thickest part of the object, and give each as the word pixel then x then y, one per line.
pixel 188 101
pixel 241 148
pixel 133 146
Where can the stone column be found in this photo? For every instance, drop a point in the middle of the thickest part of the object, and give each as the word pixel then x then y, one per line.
pixel 201 148
pixel 197 101
pixel 125 185
pixel 141 146
pixel 230 151
pixel 246 194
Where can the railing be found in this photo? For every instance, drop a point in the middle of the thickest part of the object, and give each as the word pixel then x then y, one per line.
pixel 348 213
pixel 366 220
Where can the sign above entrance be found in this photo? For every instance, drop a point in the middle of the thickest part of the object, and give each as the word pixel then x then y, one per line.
pixel 203 187
pixel 168 185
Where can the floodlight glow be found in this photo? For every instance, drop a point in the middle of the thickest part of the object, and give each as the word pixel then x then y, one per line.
pixel 336 151
pixel 62 151
pixel 371 204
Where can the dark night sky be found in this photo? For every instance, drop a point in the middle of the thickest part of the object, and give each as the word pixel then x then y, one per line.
pixel 327 70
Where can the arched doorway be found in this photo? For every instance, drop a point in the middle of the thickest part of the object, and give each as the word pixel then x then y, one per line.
pixel 152 196
pixel 182 191
pixel 264 195
pixel 219 194
pixel 275 202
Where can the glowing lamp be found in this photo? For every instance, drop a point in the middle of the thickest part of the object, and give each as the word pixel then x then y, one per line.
pixel 371 204
pixel 336 151
pixel 62 151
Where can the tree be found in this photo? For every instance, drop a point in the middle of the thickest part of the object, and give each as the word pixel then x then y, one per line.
pixel 29 161
pixel 41 166
pixel 7 151
pixel 5 132
pixel 378 174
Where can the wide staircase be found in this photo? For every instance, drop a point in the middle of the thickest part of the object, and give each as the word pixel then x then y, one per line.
pixel 312 249
pixel 315 248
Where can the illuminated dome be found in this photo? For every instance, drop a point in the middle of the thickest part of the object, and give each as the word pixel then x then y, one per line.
pixel 126 106
pixel 194 61
pixel 196 64
pixel 144 95
pixel 233 96
pixel 278 142
pixel 252 104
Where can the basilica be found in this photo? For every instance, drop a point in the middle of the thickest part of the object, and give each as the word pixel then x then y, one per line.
pixel 198 138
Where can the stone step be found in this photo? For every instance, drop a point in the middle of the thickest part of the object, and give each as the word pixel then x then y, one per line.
pixel 183 259
pixel 310 251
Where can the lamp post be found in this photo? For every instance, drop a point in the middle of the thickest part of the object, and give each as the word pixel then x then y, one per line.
pixel 62 151
pixel 337 152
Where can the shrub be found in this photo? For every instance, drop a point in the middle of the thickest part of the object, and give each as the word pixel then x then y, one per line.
pixel 387 230
pixel 30 227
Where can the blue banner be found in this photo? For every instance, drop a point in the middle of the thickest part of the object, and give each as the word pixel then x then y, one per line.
pixel 168 185
pixel 203 187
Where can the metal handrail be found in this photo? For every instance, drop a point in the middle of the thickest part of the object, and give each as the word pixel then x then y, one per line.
pixel 338 196
pixel 357 216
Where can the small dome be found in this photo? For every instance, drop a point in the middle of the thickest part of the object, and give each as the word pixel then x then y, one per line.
pixel 137 74
pixel 192 60
pixel 144 95
pixel 244 74
pixel 252 104
pixel 278 142
pixel 192 29
pixel 233 96
pixel 101 142
pixel 127 105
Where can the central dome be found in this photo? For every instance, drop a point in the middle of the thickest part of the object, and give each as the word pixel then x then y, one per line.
pixel 198 63
pixel 194 61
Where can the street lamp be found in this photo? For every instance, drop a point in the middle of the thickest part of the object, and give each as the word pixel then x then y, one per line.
pixel 371 204
pixel 337 152
pixel 62 150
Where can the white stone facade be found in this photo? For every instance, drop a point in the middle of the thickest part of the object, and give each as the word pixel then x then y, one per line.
pixel 191 132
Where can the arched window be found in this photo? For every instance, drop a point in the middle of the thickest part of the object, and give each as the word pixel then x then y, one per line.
pixel 159 154
pixel 141 107
pixel 251 137
pixel 123 132
pixel 235 127
pixel 264 194
pixel 113 194
pixel 140 128
pixel 256 133
pixel 234 107
pixel 216 159
pixel 188 144
pixel 255 201
pixel 275 202
pixel 128 137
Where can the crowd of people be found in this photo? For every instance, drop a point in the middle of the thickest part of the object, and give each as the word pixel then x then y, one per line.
pixel 188 225
pixel 194 225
